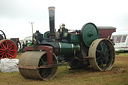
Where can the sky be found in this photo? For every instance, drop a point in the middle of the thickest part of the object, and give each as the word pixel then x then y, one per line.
pixel 16 15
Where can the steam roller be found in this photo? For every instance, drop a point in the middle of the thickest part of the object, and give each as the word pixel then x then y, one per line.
pixel 80 49
pixel 8 48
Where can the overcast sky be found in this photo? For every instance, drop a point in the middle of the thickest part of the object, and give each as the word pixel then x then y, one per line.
pixel 15 15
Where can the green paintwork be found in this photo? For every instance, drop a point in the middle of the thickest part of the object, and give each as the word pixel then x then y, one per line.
pixel 74 38
pixel 46 34
pixel 66 48
pixel 89 33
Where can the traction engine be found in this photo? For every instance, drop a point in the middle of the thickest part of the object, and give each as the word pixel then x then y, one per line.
pixel 80 48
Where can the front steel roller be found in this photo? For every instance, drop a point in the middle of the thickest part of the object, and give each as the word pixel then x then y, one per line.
pixel 102 54
pixel 31 65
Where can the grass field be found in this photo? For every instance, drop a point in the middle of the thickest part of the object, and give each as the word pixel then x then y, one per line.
pixel 117 76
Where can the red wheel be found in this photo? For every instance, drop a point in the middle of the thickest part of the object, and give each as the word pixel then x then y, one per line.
pixel 8 49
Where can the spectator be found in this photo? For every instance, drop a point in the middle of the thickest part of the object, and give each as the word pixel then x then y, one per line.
pixel 23 45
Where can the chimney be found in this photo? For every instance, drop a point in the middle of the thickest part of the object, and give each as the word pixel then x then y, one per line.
pixel 52 22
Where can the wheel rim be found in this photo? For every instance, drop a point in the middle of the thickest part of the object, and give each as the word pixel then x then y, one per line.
pixel 8 49
pixel 103 54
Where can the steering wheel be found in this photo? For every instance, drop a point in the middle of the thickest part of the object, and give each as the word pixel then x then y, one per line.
pixel 2 35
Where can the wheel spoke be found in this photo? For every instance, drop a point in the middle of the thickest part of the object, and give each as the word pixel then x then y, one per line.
pixel 7 44
pixel 106 48
pixel 2 50
pixel 2 53
pixel 101 45
pixel 6 56
pixel 3 56
pixel 10 45
pixel 97 59
pixel 98 50
pixel 41 62
pixel 12 50
pixel 10 55
pixel 3 46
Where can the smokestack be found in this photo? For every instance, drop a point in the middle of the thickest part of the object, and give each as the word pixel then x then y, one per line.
pixel 52 21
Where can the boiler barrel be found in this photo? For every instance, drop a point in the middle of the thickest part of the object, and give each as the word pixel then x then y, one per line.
pixel 66 48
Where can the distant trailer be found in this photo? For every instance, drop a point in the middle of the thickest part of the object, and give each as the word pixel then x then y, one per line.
pixel 106 32
pixel 121 40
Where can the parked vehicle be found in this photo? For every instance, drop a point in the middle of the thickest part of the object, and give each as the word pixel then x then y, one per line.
pixel 121 40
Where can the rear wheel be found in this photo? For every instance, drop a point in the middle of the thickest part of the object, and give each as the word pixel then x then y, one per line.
pixel 102 54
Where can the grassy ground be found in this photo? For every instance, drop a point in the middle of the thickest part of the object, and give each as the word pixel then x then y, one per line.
pixel 117 76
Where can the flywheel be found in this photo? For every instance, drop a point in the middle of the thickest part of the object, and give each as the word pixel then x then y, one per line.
pixel 89 33
pixel 30 65
pixel 102 54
